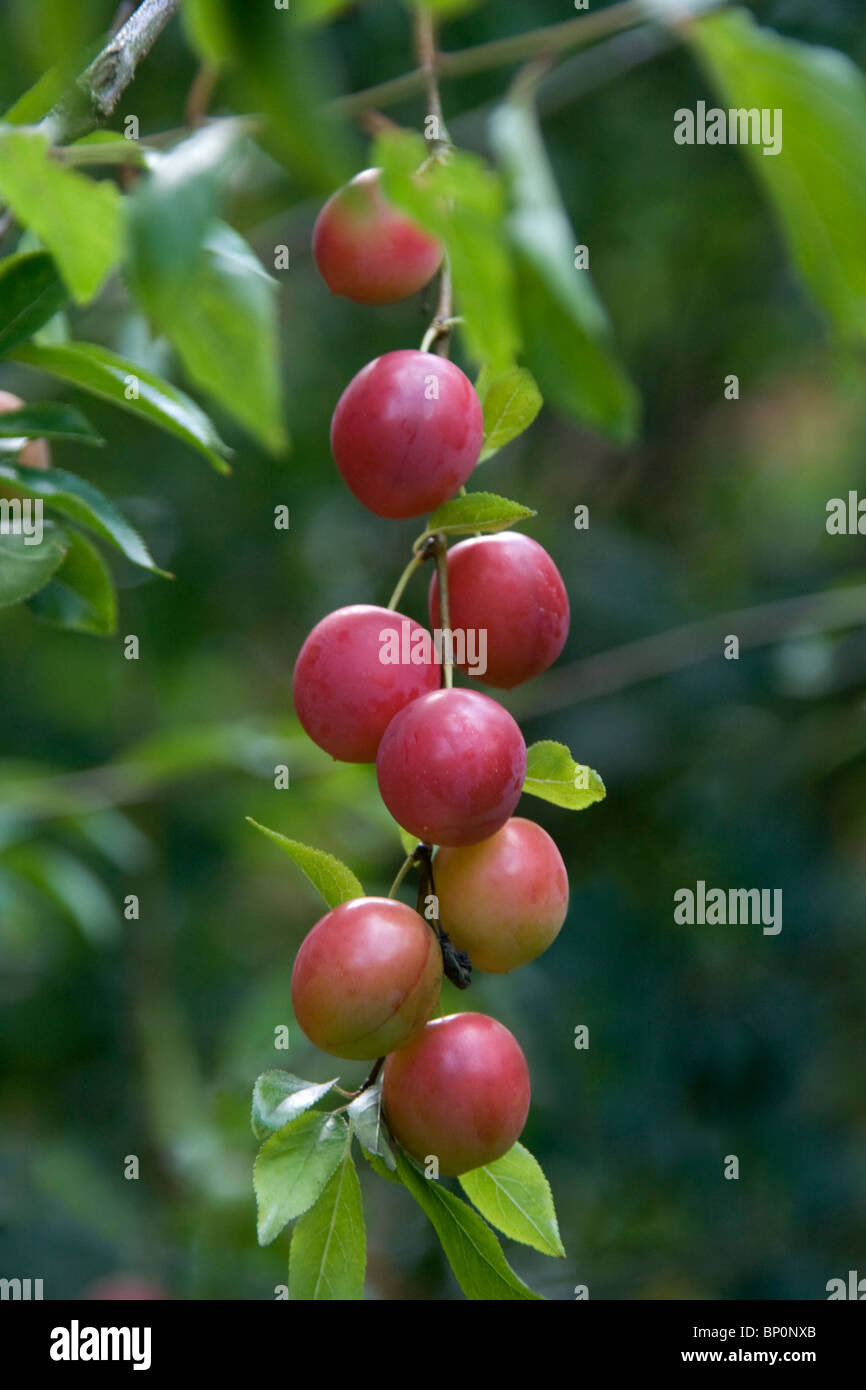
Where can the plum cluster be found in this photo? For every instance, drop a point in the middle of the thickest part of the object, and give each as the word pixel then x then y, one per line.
pixel 451 762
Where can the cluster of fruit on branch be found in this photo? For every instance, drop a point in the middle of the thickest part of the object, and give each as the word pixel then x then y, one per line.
pixel 406 435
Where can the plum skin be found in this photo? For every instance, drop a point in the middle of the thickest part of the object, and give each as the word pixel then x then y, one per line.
pixel 345 696
pixel 459 1090
pixel 368 250
pixel 451 767
pixel 406 433
pixel 366 979
pixel 503 900
pixel 508 586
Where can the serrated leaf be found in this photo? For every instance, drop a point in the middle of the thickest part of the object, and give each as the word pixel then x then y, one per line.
pixel 367 1121
pixel 514 1196
pixel 26 568
pixel 31 293
pixel 817 181
pixel 292 1168
pixel 510 402
pixel 328 1254
pixel 477 511
pixel 471 1248
pixel 80 594
pixel 48 420
pixel 553 775
pixel 74 497
pixel 336 883
pixel 279 1097
pixel 132 388
pixel 76 218
pixel 566 335
pixel 224 327
pixel 461 200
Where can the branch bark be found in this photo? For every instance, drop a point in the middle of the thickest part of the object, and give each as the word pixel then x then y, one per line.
pixel 99 88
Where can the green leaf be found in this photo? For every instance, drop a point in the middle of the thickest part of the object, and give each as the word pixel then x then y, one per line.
pixel 477 511
pixel 224 327
pixel 447 9
pixel 80 594
pixel 172 211
pixel 38 100
pixel 76 218
pixel 31 293
pixel 292 1168
pixel 279 69
pixel 566 336
pixel 462 201
pixel 365 1116
pixel 26 568
pixel 48 420
pixel 409 842
pixel 510 403
pixel 312 12
pixel 378 1166
pixel 125 384
pixel 336 883
pixel 470 1246
pixel 328 1254
pixel 817 182
pixel 74 497
pixel 515 1197
pixel 553 775
pixel 208 29
pixel 279 1097
pixel 102 147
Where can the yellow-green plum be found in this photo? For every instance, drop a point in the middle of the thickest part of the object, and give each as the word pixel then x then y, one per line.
pixel 459 1091
pixel 367 978
pixel 503 900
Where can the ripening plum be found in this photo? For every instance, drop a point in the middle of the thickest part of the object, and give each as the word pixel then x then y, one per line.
pixel 459 1090
pixel 507 586
pixel 345 694
pixel 368 250
pixel 35 453
pixel 451 767
pixel 503 900
pixel 407 432
pixel 366 978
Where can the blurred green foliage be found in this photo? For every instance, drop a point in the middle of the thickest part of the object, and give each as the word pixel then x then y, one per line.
pixel 142 1036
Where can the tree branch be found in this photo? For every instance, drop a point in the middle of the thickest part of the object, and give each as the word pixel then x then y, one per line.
pixel 99 88
pixel 681 647
pixel 553 38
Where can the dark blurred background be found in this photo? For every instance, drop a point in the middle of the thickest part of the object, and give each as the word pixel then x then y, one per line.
pixel 143 1037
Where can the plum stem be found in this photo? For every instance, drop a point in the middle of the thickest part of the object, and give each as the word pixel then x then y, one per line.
pixel 441 545
pixel 402 872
